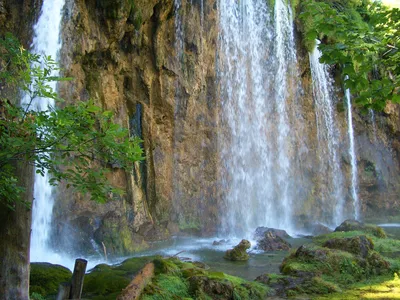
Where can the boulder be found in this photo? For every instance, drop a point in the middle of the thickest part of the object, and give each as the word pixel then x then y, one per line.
pixel 350 225
pixel 215 288
pixel 260 231
pixel 264 278
pixel 220 242
pixel 353 225
pixel 238 252
pixel 45 278
pixel 272 242
pixel 358 245
pixel 306 253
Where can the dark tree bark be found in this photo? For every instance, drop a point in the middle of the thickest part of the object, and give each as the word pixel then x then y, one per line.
pixel 15 228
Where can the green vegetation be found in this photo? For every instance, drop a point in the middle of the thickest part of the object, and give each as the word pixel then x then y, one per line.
pixel 45 279
pixel 346 265
pixel 361 38
pixel 189 281
pixel 381 287
pixel 106 282
pixel 78 144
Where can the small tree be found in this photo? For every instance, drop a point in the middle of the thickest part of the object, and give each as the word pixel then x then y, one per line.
pixel 77 144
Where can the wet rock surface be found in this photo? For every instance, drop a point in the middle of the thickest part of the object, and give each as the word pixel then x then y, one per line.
pixel 359 245
pixel 239 252
pixel 272 242
pixel 260 231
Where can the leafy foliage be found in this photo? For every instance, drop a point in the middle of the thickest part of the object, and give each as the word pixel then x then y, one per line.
pixel 362 39
pixel 78 144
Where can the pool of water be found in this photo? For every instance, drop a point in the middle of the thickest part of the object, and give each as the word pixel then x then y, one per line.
pixel 202 250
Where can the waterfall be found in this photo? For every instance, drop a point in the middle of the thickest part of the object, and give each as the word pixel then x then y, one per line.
pixel 328 138
pixel 285 56
pixel 373 123
pixel 179 34
pixel 353 158
pixel 46 41
pixel 256 65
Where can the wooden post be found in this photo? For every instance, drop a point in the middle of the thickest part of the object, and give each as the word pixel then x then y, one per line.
pixel 77 279
pixel 64 290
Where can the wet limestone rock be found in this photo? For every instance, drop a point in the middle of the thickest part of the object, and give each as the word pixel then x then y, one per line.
pixel 260 231
pixel 238 252
pixel 353 225
pixel 272 242
pixel 359 245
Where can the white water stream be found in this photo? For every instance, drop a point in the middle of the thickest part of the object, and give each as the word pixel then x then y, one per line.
pixel 256 67
pixel 328 138
pixel 353 157
pixel 46 41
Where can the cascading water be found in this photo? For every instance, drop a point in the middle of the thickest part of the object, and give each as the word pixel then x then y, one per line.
pixel 254 119
pixel 353 158
pixel 373 123
pixel 328 138
pixel 179 34
pixel 46 41
pixel 285 56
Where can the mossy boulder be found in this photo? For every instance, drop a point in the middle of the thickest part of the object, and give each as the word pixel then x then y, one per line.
pixel 340 260
pixel 358 245
pixel 176 279
pixel 353 225
pixel 106 282
pixel 202 285
pixel 271 242
pixel 45 278
pixel 238 252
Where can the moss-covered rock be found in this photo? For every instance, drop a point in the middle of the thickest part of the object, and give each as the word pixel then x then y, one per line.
pixel 358 245
pixel 353 225
pixel 45 278
pixel 238 252
pixel 175 278
pixel 106 282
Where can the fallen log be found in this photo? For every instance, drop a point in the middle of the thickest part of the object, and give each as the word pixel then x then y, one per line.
pixel 137 285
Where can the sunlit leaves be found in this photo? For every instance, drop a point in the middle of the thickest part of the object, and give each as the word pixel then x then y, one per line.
pixel 362 39
pixel 78 144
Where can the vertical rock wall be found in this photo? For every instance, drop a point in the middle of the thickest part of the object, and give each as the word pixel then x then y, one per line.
pixel 122 54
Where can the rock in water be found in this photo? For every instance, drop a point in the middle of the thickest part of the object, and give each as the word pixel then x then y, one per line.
pixel 260 231
pixel 358 245
pixel 272 242
pixel 238 252
pixel 353 225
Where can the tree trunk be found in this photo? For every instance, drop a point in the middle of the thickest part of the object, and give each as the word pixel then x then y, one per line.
pixel 15 228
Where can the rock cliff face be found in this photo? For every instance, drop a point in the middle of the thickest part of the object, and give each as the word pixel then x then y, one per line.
pixel 128 57
pixel 124 55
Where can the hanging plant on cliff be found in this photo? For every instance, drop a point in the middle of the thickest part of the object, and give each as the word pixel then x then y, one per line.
pixel 362 38
pixel 77 144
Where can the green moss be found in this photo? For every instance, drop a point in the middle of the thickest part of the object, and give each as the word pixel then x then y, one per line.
pixel 135 15
pixel 189 224
pixel 380 287
pixel 316 286
pixel 166 287
pixel 188 281
pixel 45 278
pixel 106 282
